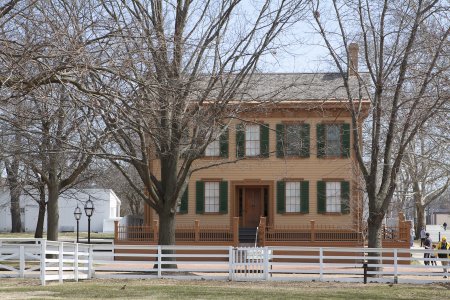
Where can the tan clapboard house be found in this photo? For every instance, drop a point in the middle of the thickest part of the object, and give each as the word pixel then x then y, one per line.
pixel 294 181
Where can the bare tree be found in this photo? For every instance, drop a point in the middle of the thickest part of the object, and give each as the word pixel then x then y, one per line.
pixel 175 76
pixel 404 46
pixel 427 164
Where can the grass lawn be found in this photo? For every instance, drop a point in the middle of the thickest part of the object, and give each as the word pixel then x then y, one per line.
pixel 173 289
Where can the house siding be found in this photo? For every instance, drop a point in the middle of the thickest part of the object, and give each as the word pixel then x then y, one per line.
pixel 273 169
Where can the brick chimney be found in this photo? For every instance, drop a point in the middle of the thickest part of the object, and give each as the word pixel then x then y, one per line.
pixel 353 49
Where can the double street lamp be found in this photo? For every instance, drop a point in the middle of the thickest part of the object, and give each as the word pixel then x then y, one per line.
pixel 89 211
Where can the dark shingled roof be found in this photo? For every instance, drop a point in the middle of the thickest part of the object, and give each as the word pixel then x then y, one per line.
pixel 299 86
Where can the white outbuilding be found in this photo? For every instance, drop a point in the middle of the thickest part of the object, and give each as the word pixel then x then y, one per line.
pixel 106 204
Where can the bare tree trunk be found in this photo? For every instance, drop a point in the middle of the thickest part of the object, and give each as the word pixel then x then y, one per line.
pixel 39 232
pixel 169 172
pixel 420 220
pixel 374 240
pixel 15 191
pixel 52 212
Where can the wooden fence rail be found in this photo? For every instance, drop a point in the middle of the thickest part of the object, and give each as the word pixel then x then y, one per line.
pixel 62 261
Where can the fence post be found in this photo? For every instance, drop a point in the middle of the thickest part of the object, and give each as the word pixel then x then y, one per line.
pixel 313 230
pixel 321 263
pixel 262 231
pixel 266 263
pixel 196 230
pixel 395 266
pixel 60 262
pixel 116 230
pixel 22 262
pixel 75 262
pixel 159 261
pixel 91 271
pixel 42 264
pixel 155 231
pixel 236 231
pixel 230 263
pixel 365 271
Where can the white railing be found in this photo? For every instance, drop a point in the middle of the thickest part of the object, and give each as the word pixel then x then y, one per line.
pixel 47 260
pixel 61 261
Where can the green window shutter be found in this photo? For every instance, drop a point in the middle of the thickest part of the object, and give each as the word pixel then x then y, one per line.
pixel 320 140
pixel 281 200
pixel 223 197
pixel 345 197
pixel 240 141
pixel 304 196
pixel 264 140
pixel 184 202
pixel 224 144
pixel 280 140
pixel 345 140
pixel 200 197
pixel 305 140
pixel 321 197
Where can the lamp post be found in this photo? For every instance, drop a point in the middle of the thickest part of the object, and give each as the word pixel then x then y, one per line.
pixel 89 210
pixel 77 214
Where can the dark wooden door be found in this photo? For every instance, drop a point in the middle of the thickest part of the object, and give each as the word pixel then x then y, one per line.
pixel 253 207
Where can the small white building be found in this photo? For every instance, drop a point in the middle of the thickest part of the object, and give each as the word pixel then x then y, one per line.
pixel 106 204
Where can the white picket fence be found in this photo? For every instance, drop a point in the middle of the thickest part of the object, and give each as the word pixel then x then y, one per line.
pixel 71 261
pixel 47 260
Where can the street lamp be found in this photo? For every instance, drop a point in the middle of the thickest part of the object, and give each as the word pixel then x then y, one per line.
pixel 77 214
pixel 89 210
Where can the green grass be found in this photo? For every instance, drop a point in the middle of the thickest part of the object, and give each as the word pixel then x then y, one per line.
pixel 172 289
pixel 62 235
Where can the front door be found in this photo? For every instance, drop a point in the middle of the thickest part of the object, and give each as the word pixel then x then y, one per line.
pixel 253 207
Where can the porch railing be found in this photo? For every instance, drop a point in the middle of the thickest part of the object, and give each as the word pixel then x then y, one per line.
pixel 183 233
pixel 267 235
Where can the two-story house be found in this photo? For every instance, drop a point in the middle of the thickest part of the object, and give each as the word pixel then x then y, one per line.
pixel 294 176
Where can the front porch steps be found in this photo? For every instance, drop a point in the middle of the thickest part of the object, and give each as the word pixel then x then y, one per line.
pixel 247 236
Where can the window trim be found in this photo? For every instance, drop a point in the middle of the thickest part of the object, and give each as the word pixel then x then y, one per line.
pixel 258 140
pixel 341 144
pixel 345 196
pixel 299 198
pixel 205 203
pixel 322 141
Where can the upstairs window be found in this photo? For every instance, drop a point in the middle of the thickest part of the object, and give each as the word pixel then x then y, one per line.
pixel 219 146
pixel 333 140
pixel 252 140
pixel 292 140
pixel 213 149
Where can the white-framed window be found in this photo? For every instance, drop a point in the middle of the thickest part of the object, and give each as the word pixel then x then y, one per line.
pixel 252 140
pixel 212 197
pixel 292 197
pixel 333 140
pixel 333 196
pixel 213 149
